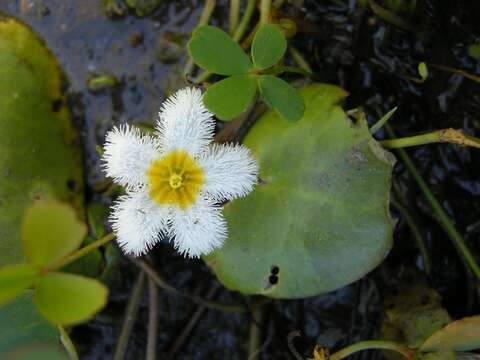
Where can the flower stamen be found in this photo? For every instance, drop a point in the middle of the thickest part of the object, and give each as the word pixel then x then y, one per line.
pixel 175 179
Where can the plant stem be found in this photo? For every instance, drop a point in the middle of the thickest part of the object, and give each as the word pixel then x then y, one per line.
pixel 82 252
pixel 457 239
pixel 160 282
pixel 445 135
pixel 152 320
pixel 378 125
pixel 373 344
pixel 190 325
pixel 204 20
pixel 265 6
pixel 255 335
pixel 129 319
pixel 234 16
pixel 422 246
pixel 245 21
pixel 293 69
pixel 299 59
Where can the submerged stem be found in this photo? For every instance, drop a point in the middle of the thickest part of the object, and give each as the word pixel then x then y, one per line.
pixel 457 239
pixel 234 16
pixel 82 252
pixel 373 344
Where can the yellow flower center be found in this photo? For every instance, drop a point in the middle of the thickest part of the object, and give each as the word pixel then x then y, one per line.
pixel 175 179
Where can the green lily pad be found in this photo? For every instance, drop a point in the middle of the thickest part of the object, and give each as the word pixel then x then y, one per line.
pixel 50 231
pixel 460 335
pixel 231 96
pixel 320 218
pixel 67 299
pixel 40 156
pixel 14 279
pixel 213 50
pixel 268 46
pixel 281 97
pixel 21 324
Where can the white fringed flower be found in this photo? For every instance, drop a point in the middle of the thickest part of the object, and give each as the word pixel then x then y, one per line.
pixel 175 180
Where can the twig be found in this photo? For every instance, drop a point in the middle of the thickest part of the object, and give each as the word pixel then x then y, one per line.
pixel 152 320
pixel 190 325
pixel 130 316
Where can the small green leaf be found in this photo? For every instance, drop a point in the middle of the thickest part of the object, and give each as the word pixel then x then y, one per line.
pixel 268 46
pixel 67 299
pixel 460 335
pixel 213 50
pixel 423 70
pixel 282 97
pixel 14 279
pixel 50 231
pixel 231 96
pixel 21 324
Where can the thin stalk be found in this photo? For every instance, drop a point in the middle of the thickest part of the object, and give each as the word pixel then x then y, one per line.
pixel 457 239
pixel 255 335
pixel 130 316
pixel 82 252
pixel 234 16
pixel 265 8
pixel 245 21
pixel 445 136
pixel 299 59
pixel 379 124
pixel 190 325
pixel 373 344
pixel 292 69
pixel 152 320
pixel 204 20
pixel 160 282
pixel 422 246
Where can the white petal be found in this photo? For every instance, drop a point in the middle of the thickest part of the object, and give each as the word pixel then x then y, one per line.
pixel 128 154
pixel 138 222
pixel 198 230
pixel 185 123
pixel 231 171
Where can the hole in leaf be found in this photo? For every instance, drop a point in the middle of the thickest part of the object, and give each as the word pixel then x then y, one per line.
pixel 274 270
pixel 56 105
pixel 273 279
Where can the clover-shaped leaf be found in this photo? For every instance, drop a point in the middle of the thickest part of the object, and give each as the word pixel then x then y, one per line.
pixel 282 97
pixel 50 231
pixel 67 299
pixel 14 279
pixel 236 93
pixel 268 46
pixel 213 50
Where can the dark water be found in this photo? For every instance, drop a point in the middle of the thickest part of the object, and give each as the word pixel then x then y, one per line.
pixel 345 45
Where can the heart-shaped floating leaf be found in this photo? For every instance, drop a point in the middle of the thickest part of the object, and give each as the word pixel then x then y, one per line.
pixel 21 324
pixel 39 152
pixel 231 96
pixel 67 299
pixel 282 97
pixel 268 46
pixel 213 50
pixel 460 335
pixel 50 231
pixel 320 218
pixel 14 279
